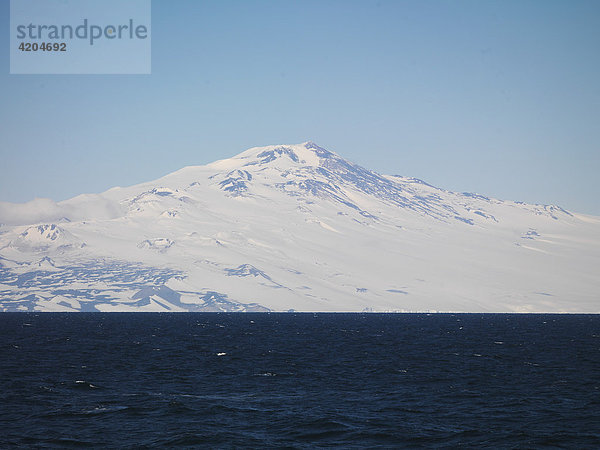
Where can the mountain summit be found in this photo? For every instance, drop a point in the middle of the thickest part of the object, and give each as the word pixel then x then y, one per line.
pixel 295 227
pixel 306 154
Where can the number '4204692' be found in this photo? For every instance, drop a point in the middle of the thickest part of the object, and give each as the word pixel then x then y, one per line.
pixel 44 47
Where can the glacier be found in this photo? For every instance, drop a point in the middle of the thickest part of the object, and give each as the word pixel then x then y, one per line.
pixel 295 228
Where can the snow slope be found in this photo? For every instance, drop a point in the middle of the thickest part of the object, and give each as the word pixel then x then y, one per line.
pixel 295 227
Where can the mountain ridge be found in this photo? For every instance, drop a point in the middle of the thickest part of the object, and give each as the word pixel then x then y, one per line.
pixel 296 227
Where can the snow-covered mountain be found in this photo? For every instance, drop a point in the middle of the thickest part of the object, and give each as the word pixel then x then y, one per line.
pixel 295 227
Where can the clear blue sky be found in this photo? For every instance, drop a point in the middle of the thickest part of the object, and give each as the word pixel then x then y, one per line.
pixel 496 97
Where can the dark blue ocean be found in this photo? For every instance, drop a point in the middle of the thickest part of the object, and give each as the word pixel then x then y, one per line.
pixel 299 380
